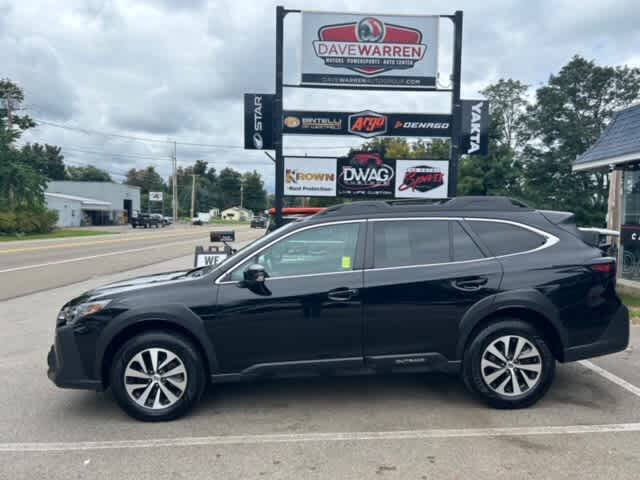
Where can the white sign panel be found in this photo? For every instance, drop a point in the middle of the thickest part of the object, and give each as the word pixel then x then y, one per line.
pixel 421 178
pixel 369 50
pixel 209 259
pixel 155 196
pixel 310 177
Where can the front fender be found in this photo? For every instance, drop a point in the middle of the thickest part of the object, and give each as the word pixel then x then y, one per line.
pixel 527 299
pixel 172 314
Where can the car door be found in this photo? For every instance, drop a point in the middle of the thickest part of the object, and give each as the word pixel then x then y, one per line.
pixel 418 284
pixel 309 315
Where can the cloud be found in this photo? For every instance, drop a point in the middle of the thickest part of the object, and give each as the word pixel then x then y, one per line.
pixel 177 69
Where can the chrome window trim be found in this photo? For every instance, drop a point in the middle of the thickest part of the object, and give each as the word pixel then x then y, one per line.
pixel 550 240
pixel 230 271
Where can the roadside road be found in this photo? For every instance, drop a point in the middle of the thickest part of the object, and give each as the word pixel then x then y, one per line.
pixel 31 266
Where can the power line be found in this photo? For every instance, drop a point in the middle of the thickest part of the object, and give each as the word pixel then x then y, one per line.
pixel 169 142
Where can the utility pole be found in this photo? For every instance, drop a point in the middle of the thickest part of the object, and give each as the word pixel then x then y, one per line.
pixel 241 195
pixel 193 194
pixel 174 186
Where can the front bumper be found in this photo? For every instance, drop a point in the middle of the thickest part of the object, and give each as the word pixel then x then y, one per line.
pixel 614 339
pixel 65 365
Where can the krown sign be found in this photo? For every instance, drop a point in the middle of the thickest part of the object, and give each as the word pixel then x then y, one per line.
pixel 351 49
pixel 310 177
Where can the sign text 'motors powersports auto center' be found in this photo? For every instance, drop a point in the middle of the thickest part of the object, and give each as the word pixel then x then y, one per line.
pixel 367 52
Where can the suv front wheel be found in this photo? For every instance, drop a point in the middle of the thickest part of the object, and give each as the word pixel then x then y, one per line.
pixel 157 376
pixel 509 364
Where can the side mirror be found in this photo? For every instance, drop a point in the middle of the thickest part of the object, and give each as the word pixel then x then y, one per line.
pixel 255 275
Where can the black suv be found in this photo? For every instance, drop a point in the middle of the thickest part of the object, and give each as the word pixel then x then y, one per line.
pixel 483 286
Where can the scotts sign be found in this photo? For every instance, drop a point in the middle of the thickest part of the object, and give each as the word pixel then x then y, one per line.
pixel 348 49
pixel 475 127
pixel 258 121
pixel 365 174
pixel 367 124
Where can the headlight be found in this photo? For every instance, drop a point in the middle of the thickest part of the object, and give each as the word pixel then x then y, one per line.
pixel 71 315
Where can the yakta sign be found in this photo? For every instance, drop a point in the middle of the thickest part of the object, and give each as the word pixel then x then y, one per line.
pixel 258 121
pixel 367 124
pixel 475 127
pixel 348 49
pixel 366 174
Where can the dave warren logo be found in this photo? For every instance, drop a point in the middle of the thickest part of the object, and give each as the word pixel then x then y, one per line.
pixel 368 124
pixel 369 46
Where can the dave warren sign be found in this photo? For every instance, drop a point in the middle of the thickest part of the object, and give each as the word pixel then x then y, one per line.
pixel 310 177
pixel 367 124
pixel 258 121
pixel 369 50
pixel 421 178
pixel 366 174
pixel 475 127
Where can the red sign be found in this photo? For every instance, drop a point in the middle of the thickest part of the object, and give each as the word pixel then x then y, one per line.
pixel 368 124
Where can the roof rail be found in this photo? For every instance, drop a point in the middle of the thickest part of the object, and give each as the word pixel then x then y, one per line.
pixel 487 203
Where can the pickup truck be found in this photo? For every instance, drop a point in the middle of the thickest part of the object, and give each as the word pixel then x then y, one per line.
pixel 147 220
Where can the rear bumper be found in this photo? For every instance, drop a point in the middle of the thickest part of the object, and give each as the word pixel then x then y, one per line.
pixel 614 339
pixel 65 367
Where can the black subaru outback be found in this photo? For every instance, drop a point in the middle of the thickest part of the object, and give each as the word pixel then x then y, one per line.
pixel 483 286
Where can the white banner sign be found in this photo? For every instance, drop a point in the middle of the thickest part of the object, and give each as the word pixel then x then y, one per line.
pixel 310 177
pixel 378 50
pixel 421 178
pixel 155 196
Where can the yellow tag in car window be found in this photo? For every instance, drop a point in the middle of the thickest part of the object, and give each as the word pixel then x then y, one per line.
pixel 346 263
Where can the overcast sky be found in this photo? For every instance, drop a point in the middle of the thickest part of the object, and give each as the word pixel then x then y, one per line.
pixel 177 69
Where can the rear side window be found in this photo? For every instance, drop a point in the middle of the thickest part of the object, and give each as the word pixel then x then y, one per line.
pixel 411 242
pixel 464 248
pixel 504 238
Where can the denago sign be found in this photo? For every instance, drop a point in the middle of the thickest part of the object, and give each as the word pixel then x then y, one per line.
pixel 348 49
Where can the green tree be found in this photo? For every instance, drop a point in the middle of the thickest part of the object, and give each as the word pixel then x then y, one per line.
pixel 229 187
pixel 46 158
pixel 22 183
pixel 569 115
pixel 255 196
pixel 88 174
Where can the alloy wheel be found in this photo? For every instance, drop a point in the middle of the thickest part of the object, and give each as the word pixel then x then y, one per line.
pixel 511 365
pixel 155 378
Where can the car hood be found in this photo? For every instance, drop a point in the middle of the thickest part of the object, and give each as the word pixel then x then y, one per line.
pixel 132 284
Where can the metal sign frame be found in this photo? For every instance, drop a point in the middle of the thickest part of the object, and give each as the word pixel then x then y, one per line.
pixel 456 105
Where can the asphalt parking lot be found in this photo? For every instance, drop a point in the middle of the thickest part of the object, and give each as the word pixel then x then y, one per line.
pixel 404 426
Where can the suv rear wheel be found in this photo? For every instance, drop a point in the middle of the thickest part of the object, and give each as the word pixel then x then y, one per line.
pixel 157 376
pixel 509 364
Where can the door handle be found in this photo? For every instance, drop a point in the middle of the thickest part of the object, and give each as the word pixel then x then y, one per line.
pixel 342 294
pixel 470 284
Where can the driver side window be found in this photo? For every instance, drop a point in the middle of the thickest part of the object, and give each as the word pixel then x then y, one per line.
pixel 325 249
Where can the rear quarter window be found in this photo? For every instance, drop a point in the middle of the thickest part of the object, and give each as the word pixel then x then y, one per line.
pixel 505 238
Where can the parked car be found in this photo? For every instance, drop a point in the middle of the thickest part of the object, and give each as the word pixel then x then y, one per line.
pixel 197 221
pixel 147 220
pixel 258 222
pixel 167 220
pixel 483 286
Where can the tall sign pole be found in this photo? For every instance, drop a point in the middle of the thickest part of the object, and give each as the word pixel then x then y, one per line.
pixel 277 114
pixel 456 104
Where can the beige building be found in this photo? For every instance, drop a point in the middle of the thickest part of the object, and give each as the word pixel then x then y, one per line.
pixel 238 214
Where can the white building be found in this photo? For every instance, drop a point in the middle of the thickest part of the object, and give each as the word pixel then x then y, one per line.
pixel 238 214
pixel 92 203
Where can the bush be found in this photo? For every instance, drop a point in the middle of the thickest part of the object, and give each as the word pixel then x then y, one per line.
pixel 28 220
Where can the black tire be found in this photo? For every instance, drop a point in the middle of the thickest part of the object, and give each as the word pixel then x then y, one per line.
pixel 187 353
pixel 472 361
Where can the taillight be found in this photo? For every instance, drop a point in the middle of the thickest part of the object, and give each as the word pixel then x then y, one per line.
pixel 604 267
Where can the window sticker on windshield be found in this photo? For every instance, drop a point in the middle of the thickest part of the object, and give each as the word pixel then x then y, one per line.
pixel 346 263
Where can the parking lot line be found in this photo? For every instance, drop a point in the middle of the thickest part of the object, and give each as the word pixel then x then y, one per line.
pixel 79 259
pixel 321 437
pixel 611 377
